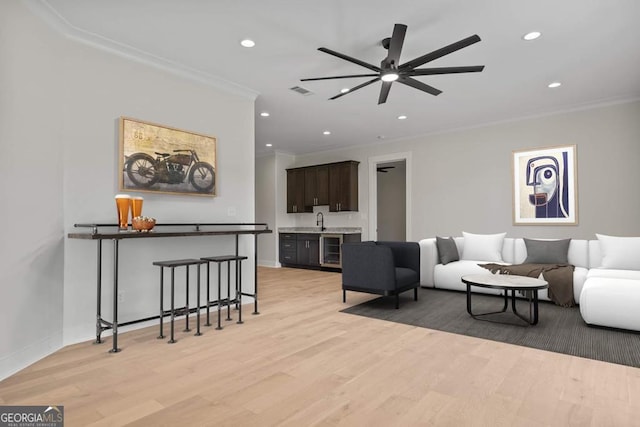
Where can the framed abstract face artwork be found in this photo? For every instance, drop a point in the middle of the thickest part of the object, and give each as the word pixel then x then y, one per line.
pixel 545 186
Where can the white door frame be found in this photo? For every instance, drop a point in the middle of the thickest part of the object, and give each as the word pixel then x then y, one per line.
pixel 373 191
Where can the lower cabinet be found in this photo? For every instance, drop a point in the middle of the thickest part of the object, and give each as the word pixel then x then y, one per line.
pixel 288 248
pixel 303 249
pixel 309 250
pixel 298 249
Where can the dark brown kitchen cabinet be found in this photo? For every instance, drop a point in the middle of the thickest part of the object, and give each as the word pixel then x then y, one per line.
pixel 316 186
pixel 300 249
pixel 309 250
pixel 332 184
pixel 295 191
pixel 343 186
pixel 288 248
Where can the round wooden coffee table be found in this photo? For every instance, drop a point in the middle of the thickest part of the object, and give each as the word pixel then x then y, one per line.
pixel 506 283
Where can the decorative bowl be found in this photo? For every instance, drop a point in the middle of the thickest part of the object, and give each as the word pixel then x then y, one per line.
pixel 143 223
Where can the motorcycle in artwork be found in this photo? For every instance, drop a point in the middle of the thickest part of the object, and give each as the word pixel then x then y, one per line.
pixel 143 170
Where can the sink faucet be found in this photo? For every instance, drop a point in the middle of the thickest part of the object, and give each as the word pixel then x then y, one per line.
pixel 320 221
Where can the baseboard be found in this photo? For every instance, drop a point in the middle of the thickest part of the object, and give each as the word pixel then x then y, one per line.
pixel 22 358
pixel 268 263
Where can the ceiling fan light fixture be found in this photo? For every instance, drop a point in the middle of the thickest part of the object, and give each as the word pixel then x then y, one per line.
pixel 391 69
pixel 390 77
pixel 532 35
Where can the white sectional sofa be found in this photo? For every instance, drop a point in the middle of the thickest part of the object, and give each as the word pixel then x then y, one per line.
pixel 607 295
pixel 436 275
pixel 611 293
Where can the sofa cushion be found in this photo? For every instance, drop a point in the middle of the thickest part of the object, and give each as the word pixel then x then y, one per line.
pixel 547 251
pixel 450 276
pixel 611 302
pixel 447 250
pixel 614 274
pixel 622 253
pixel 483 247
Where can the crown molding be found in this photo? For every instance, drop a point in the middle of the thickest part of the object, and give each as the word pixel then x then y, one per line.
pixel 46 12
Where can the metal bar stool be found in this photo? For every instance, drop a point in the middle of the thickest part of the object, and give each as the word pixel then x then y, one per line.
pixel 238 288
pixel 183 310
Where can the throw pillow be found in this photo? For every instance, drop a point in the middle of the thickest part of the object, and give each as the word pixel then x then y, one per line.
pixel 620 253
pixel 447 250
pixel 547 251
pixel 483 247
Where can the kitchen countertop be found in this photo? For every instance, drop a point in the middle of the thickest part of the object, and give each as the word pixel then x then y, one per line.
pixel 328 230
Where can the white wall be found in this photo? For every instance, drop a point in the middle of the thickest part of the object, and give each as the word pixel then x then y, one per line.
pixel 60 139
pixel 462 180
pixel 266 207
pixel 31 246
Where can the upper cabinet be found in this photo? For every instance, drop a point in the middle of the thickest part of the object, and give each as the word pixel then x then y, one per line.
pixel 295 191
pixel 333 184
pixel 343 186
pixel 316 186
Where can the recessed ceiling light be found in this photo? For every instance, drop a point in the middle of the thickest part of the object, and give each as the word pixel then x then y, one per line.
pixel 344 90
pixel 554 84
pixel 268 145
pixel 264 114
pixel 248 43
pixel 326 132
pixel 532 35
pixel 402 117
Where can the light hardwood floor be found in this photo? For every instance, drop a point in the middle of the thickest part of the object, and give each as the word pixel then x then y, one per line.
pixel 303 363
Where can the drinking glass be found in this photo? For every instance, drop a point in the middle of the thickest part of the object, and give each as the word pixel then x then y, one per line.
pixel 136 206
pixel 123 204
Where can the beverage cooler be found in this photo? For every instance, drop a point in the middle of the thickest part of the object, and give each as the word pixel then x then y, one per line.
pixel 330 255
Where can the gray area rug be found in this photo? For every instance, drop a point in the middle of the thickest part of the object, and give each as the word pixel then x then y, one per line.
pixel 561 330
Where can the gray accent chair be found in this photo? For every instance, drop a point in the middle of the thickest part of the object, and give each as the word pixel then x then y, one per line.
pixel 383 268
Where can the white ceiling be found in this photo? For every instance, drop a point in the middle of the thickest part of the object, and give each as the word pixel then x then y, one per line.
pixel 591 46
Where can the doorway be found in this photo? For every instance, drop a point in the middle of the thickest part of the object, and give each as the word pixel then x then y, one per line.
pixel 389 197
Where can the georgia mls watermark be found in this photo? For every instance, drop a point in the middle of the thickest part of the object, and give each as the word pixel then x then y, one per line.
pixel 31 416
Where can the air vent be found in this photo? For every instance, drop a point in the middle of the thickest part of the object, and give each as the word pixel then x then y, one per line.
pixel 301 90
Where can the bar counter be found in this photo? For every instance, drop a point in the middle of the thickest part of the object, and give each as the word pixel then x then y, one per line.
pixel 100 232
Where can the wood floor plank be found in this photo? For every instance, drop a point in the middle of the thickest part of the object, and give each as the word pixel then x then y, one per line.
pixel 302 362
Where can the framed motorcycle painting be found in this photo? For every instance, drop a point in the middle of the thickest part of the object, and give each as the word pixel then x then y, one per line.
pixel 161 159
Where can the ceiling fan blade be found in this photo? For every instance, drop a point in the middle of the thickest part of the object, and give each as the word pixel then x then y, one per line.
pixel 360 86
pixel 395 45
pixel 349 58
pixel 384 92
pixel 339 77
pixel 444 70
pixel 419 85
pixel 440 52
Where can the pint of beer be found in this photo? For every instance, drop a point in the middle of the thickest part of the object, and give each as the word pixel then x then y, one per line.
pixel 123 203
pixel 136 206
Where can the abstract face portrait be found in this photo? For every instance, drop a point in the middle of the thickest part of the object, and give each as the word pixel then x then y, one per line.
pixel 544 184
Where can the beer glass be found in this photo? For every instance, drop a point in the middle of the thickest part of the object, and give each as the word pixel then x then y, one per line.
pixel 136 206
pixel 123 203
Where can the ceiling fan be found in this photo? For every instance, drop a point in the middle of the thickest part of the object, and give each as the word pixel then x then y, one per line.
pixel 391 70
pixel 384 169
